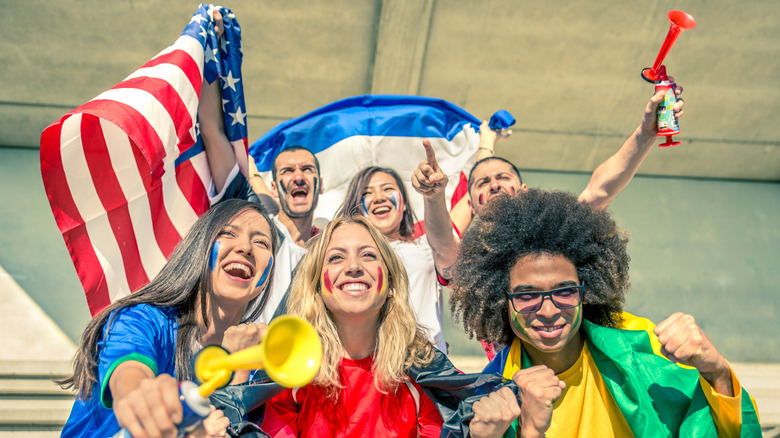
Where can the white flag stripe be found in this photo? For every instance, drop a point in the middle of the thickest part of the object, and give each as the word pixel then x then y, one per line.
pixel 178 79
pixel 129 177
pixel 189 45
pixel 177 206
pixel 86 199
pixel 201 165
pixel 113 269
pixel 152 110
pixel 74 165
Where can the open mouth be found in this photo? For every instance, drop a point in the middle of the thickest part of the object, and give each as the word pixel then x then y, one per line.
pixel 238 270
pixel 299 193
pixel 381 210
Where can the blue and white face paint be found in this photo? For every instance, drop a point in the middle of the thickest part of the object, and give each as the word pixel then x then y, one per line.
pixel 266 272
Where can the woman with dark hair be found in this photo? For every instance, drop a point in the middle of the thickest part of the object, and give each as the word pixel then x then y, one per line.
pixel 133 352
pixel 379 194
pixel 547 275
pixel 353 289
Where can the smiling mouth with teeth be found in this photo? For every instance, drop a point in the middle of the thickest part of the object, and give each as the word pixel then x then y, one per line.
pixel 381 210
pixel 239 270
pixel 549 328
pixel 352 287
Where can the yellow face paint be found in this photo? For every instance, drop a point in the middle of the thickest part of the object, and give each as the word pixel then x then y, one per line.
pixel 327 285
pixel 381 284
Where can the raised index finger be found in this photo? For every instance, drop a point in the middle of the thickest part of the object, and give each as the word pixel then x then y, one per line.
pixel 430 155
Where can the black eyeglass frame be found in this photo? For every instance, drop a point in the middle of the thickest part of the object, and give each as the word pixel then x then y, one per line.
pixel 549 293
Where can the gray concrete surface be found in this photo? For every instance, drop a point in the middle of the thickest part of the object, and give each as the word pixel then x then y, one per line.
pixel 567 70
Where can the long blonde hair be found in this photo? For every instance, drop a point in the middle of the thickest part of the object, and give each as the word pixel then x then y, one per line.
pixel 400 342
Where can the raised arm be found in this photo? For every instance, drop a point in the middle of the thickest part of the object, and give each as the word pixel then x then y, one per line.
pixel 488 138
pixel 613 175
pixel 684 342
pixel 219 151
pixel 429 181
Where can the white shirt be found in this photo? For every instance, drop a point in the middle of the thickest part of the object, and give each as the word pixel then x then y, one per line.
pixel 286 259
pixel 425 292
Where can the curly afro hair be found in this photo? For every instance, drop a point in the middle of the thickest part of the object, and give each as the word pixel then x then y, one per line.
pixel 537 222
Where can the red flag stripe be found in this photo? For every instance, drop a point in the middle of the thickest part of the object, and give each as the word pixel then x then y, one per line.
pixel 461 190
pixel 165 233
pixel 191 185
pixel 69 219
pixel 130 169
pixel 98 227
pixel 111 196
pixel 182 55
pixel 172 101
pixel 143 134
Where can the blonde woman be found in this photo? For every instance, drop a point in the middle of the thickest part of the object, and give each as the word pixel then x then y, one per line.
pixel 352 287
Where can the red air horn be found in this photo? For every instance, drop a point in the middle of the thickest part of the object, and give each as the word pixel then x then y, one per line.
pixel 667 122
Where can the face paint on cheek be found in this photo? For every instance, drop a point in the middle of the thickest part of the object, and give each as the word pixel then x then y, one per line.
pixel 512 189
pixel 265 272
pixel 364 206
pixel 395 199
pixel 381 284
pixel 316 186
pixel 517 323
pixel 577 321
pixel 214 255
pixel 282 189
pixel 481 199
pixel 327 286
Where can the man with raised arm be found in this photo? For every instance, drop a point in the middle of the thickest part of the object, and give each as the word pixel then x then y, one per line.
pixel 493 176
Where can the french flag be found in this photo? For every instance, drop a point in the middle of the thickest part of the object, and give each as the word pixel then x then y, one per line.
pixel 377 130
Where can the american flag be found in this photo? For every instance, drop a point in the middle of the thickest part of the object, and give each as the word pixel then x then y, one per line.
pixel 126 173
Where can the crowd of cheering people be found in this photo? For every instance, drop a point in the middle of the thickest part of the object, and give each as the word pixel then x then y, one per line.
pixel 539 277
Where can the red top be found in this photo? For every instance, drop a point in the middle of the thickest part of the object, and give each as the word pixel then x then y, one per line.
pixel 361 410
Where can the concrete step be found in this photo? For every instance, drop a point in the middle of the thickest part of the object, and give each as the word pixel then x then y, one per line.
pixel 18 387
pixel 31 404
pixel 44 368
pixel 53 433
pixel 32 412
pixel 762 381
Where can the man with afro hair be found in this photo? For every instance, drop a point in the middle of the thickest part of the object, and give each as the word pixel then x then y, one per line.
pixel 546 276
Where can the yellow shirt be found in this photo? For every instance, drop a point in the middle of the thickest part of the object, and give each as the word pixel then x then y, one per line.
pixel 587 408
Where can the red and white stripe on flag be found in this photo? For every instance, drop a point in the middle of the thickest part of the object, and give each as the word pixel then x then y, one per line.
pixel 109 169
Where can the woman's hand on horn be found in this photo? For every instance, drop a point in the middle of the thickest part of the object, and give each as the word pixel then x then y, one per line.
pixel 239 337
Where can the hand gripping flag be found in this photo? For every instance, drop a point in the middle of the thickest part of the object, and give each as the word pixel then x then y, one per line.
pixel 126 173
pixel 377 130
